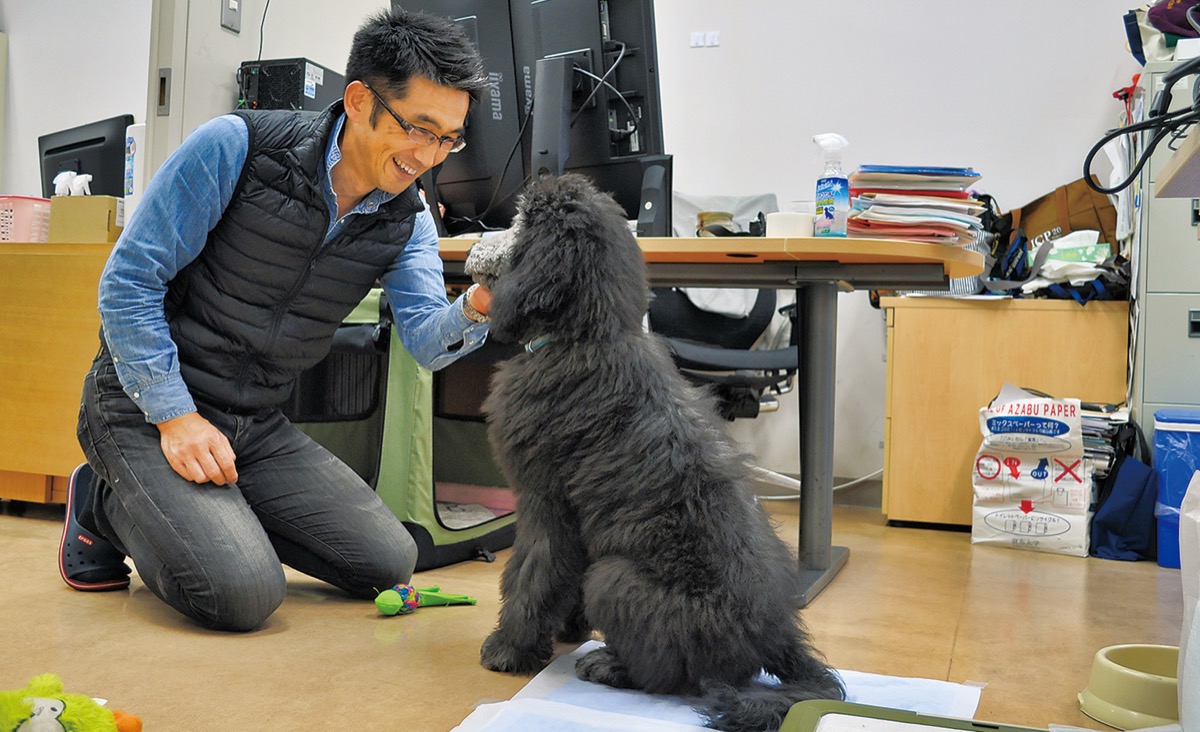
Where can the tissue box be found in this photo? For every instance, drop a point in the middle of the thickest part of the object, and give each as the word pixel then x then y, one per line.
pixel 85 219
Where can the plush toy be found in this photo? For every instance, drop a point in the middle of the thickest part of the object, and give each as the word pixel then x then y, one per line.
pixel 489 257
pixel 44 707
pixel 403 599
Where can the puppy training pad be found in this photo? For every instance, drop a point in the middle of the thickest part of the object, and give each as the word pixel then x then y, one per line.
pixel 557 700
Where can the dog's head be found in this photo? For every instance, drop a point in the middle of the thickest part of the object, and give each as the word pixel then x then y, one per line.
pixel 575 271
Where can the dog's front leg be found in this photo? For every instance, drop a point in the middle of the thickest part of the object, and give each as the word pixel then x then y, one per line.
pixel 540 587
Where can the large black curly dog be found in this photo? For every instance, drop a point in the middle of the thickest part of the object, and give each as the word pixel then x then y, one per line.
pixel 635 515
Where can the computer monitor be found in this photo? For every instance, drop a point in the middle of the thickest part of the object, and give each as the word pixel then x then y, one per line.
pixel 97 148
pixel 589 72
pixel 478 185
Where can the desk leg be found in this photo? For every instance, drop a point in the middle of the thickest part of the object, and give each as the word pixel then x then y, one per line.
pixel 820 561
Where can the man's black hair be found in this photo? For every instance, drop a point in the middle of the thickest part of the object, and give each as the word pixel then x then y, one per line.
pixel 395 45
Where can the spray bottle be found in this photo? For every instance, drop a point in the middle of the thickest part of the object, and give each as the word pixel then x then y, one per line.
pixel 833 188
pixel 135 166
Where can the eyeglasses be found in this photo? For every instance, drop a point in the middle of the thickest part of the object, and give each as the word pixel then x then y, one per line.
pixel 420 135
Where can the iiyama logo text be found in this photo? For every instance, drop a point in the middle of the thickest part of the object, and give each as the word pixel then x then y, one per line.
pixel 494 80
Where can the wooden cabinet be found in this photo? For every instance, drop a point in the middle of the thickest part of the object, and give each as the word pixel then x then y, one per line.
pixel 947 358
pixel 49 333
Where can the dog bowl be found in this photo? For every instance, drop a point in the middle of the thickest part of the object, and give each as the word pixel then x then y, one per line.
pixel 1133 686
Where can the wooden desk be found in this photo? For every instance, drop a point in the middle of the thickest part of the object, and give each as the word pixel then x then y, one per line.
pixel 817 269
pixel 50 328
pixel 947 358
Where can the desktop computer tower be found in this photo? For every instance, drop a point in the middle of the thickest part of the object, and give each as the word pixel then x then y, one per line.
pixel 288 83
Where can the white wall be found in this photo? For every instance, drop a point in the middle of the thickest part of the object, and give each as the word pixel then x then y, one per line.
pixel 1019 90
pixel 76 61
pixel 70 62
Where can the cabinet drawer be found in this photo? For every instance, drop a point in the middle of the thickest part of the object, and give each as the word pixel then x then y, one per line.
pixel 1172 357
pixel 1172 252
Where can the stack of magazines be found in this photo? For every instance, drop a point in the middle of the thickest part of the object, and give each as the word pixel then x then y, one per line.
pixel 928 204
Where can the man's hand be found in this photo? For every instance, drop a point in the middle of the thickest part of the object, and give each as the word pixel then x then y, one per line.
pixel 197 450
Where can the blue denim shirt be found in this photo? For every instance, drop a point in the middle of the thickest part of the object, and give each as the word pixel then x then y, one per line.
pixel 184 201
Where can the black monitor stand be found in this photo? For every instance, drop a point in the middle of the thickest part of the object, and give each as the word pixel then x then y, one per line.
pixel 550 147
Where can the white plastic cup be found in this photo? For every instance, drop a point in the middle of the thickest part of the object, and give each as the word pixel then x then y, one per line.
pixel 789 224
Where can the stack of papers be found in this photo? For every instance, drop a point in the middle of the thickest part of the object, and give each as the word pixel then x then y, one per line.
pixel 1099 435
pixel 927 204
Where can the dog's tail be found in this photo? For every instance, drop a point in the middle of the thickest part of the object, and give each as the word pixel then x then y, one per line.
pixel 762 707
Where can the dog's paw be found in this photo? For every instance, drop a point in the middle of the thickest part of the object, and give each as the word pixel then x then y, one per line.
pixel 603 667
pixel 498 655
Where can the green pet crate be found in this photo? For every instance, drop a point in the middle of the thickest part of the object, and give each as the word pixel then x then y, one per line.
pixel 417 437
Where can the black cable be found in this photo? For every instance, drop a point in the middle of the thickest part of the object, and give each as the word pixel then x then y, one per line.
pixel 603 79
pixel 632 114
pixel 507 162
pixel 499 182
pixel 1164 125
pixel 260 28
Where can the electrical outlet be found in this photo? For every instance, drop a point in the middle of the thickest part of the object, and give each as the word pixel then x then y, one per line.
pixel 231 15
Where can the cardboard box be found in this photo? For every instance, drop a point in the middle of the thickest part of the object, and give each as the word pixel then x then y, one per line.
pixel 85 219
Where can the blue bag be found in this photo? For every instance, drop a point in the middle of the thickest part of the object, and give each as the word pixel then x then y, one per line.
pixel 1124 526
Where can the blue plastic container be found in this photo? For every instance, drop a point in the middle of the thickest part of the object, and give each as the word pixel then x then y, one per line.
pixel 1176 458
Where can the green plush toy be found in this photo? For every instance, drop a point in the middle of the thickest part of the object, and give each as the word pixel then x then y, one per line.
pixel 44 707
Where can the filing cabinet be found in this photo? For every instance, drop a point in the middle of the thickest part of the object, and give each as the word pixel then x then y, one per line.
pixel 1165 347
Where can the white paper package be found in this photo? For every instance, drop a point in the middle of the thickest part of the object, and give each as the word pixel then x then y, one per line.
pixel 1032 484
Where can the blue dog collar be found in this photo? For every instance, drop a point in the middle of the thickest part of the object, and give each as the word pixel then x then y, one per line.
pixel 536 343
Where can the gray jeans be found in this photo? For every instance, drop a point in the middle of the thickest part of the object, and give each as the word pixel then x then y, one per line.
pixel 214 553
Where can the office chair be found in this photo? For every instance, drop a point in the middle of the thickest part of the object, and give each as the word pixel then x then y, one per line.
pixel 714 351
pixel 734 357
pixel 717 351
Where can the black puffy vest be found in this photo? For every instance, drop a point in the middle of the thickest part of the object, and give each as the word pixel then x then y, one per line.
pixel 261 302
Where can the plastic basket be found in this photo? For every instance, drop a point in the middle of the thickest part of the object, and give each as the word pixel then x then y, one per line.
pixel 1176 458
pixel 24 219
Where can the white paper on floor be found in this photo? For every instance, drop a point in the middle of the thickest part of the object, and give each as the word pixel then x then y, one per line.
pixel 557 700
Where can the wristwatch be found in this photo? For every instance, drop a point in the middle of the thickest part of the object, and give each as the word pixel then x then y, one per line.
pixel 469 311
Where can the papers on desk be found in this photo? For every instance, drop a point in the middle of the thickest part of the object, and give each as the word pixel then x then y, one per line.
pixel 929 204
pixel 913 177
pixel 557 700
